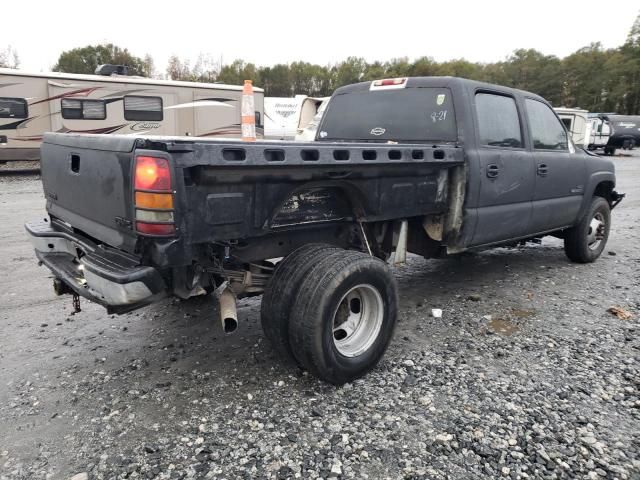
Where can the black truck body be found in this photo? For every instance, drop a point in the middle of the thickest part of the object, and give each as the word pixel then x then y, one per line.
pixel 433 166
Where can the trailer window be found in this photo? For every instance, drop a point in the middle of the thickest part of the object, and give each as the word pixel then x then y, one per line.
pixel 71 109
pixel 139 108
pixel 75 109
pixel 94 110
pixel 13 107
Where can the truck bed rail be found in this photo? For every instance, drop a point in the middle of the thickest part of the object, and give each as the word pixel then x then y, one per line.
pixel 228 153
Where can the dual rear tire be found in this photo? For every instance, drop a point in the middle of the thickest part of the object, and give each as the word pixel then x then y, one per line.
pixel 331 311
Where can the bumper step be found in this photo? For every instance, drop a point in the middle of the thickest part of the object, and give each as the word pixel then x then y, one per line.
pixel 109 277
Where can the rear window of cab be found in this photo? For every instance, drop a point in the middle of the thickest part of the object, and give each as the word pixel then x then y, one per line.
pixel 412 114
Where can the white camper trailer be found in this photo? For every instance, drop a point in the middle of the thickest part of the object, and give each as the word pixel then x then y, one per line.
pixel 307 133
pixel 600 132
pixel 578 124
pixel 34 103
pixel 281 116
pixel 286 118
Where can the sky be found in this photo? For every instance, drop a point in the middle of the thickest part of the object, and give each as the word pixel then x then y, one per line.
pixel 326 31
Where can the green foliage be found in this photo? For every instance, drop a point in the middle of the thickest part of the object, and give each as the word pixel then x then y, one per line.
pixel 86 60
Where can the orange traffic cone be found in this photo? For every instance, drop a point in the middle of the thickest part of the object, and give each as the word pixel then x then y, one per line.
pixel 248 113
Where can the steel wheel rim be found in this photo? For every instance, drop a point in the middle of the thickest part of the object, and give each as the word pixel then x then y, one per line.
pixel 357 321
pixel 596 231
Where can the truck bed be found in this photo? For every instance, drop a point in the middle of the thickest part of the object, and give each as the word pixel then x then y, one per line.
pixel 227 190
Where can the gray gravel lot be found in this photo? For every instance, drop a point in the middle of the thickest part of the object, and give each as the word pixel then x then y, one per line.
pixel 526 375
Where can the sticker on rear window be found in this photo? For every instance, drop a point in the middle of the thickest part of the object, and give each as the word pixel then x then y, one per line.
pixel 440 98
pixel 439 116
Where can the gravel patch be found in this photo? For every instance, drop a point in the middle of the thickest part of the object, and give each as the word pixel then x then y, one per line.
pixel 525 375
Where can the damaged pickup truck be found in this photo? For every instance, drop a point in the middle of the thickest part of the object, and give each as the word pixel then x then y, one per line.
pixel 433 166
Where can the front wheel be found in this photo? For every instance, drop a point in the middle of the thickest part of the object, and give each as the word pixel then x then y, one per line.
pixel 585 242
pixel 344 316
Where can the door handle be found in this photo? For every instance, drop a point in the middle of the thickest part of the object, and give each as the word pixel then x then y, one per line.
pixel 492 170
pixel 543 169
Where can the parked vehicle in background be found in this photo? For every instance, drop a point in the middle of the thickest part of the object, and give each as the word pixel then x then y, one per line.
pixel 308 132
pixel 625 131
pixel 577 123
pixel 34 103
pixel 286 118
pixel 433 165
pixel 281 116
pixel 600 132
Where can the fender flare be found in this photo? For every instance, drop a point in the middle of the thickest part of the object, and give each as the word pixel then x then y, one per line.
pixel 608 179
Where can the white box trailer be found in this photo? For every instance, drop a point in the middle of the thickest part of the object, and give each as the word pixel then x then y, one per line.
pixel 34 103
pixel 307 132
pixel 600 132
pixel 287 117
pixel 577 123
pixel 281 117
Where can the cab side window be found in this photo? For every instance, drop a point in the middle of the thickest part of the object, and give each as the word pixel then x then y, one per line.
pixel 547 132
pixel 498 121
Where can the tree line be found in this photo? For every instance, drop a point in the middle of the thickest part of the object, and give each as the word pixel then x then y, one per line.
pixel 595 78
pixel 9 57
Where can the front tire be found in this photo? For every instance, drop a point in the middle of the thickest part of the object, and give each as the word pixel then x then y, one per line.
pixel 585 242
pixel 344 316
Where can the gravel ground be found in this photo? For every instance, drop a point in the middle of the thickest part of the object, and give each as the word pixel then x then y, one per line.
pixel 526 375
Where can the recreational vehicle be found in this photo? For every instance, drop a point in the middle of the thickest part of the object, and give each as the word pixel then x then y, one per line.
pixel 285 117
pixel 577 123
pixel 308 132
pixel 625 131
pixel 34 103
pixel 600 132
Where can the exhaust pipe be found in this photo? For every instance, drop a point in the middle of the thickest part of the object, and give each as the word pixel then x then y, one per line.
pixel 228 311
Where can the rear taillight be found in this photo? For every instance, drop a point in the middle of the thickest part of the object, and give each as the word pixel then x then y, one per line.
pixel 152 174
pixel 156 229
pixel 154 197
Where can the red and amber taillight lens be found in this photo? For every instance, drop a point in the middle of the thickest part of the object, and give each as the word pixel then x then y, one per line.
pixel 152 173
pixel 154 197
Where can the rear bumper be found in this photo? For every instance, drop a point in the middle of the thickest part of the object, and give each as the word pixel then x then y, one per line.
pixel 107 276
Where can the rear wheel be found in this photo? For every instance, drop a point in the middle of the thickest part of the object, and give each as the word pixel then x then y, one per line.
pixel 344 316
pixel 282 290
pixel 585 242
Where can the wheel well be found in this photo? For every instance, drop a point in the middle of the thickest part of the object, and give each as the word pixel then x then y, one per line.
pixel 604 189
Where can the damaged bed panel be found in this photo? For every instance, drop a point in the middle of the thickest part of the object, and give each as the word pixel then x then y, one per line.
pixel 238 201
pixel 240 210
